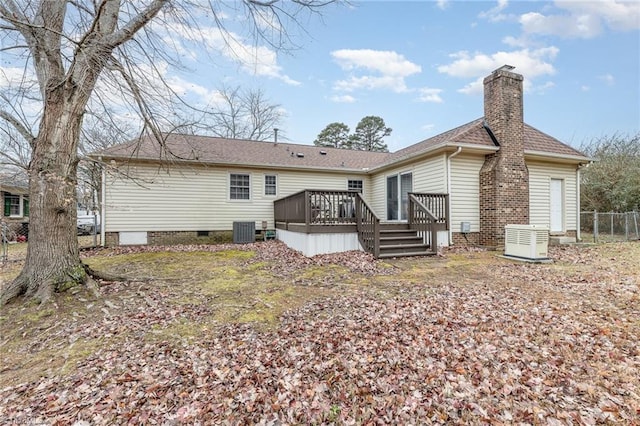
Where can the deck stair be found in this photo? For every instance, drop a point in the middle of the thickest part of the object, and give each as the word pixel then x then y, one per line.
pixel 397 240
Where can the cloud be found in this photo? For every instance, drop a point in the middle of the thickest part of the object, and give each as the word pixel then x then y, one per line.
pixel 344 99
pixel 608 79
pixel 583 19
pixel 430 95
pixel 585 88
pixel 442 4
pixel 254 59
pixel 531 63
pixel 495 14
pixel 428 127
pixel 381 69
pixel 516 41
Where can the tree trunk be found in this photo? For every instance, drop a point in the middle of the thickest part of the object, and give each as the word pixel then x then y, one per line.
pixel 53 261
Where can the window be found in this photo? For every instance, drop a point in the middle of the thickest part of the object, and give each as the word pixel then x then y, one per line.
pixel 270 187
pixel 354 185
pixel 15 205
pixel 239 187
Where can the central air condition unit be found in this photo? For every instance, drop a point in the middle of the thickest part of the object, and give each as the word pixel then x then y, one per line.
pixel 526 241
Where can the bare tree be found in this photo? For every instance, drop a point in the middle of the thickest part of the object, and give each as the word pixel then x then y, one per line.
pixel 244 114
pixel 612 182
pixel 72 57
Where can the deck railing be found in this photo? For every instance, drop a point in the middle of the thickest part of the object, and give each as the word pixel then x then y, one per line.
pixel 423 221
pixel 317 207
pixel 437 204
pixel 368 225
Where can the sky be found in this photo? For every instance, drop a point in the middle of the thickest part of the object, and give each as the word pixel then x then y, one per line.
pixel 419 65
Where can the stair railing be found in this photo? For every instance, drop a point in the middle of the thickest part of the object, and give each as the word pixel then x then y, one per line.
pixel 423 221
pixel 368 225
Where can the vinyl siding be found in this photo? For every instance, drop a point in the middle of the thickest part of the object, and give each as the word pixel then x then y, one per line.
pixel 197 198
pixel 428 176
pixel 465 191
pixel 540 175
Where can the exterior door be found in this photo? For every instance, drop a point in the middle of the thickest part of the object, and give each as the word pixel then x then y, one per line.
pixel 556 222
pixel 392 197
pixel 398 188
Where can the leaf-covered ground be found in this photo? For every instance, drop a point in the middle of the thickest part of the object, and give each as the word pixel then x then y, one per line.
pixel 258 334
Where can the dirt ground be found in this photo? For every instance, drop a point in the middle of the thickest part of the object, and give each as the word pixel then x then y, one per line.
pixel 258 334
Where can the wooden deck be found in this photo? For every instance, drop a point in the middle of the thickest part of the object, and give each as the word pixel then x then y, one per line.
pixel 344 212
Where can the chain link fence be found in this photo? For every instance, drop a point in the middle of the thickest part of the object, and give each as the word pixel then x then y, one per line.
pixel 14 238
pixel 609 226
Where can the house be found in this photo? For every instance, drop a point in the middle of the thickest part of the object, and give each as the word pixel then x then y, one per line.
pixel 460 187
pixel 14 197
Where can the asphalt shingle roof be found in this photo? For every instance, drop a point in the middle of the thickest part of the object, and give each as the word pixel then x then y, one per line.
pixel 214 150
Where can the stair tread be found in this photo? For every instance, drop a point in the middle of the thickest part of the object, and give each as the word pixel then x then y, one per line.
pixel 410 245
pixel 406 237
pixel 407 254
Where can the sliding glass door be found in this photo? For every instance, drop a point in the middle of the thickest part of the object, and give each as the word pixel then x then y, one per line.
pixel 398 188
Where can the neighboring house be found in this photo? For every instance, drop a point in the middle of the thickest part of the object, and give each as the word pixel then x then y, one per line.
pixel 467 184
pixel 15 201
pixel 14 198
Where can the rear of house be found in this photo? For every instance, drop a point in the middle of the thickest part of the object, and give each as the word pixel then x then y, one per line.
pixel 493 171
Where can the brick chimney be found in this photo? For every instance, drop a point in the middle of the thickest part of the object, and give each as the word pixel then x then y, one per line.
pixel 504 178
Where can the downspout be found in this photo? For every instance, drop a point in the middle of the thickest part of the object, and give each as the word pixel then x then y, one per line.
pixel 578 179
pixel 103 209
pixel 458 151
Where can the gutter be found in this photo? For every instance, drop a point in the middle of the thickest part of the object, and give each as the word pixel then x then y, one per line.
pixel 458 151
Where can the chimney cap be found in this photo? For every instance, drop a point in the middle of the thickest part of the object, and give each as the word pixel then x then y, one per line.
pixel 506 67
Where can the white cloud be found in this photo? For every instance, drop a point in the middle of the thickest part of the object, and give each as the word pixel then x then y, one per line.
pixel 256 60
pixel 381 69
pixel 608 79
pixel 345 99
pixel 495 14
pixel 428 127
pixel 543 87
pixel 583 19
pixel 520 42
pixel 531 63
pixel 14 76
pixel 442 4
pixel 585 88
pixel 430 95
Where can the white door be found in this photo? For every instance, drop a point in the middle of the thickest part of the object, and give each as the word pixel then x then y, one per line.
pixel 557 206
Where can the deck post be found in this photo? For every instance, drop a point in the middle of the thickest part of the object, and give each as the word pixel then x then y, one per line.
pixel 307 211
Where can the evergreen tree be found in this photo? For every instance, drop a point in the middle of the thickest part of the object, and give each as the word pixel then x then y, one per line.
pixel 369 134
pixel 335 135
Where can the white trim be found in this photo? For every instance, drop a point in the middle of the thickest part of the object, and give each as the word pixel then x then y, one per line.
pixel 264 181
pixel 228 189
pixel 548 155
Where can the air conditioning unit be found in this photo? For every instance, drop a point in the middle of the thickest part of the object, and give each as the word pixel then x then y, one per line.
pixel 526 241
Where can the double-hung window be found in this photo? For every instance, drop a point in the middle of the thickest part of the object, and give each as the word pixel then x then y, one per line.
pixel 270 185
pixel 239 187
pixel 354 185
pixel 15 205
